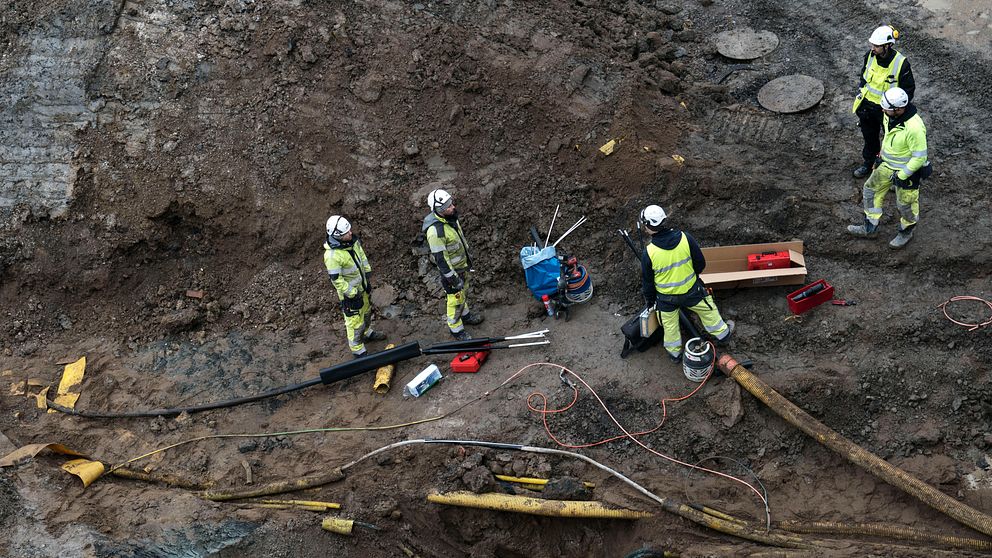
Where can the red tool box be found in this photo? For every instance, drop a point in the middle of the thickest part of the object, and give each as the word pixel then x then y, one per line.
pixel 810 296
pixel 469 361
pixel 768 260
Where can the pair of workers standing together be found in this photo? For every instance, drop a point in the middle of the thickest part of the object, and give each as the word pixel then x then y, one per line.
pixel 349 270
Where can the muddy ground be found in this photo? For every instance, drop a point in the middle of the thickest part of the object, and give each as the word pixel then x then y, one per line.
pixel 224 133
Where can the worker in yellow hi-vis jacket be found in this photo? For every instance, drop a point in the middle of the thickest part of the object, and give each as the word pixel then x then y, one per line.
pixel 349 270
pixel 884 67
pixel 903 163
pixel 449 251
pixel 671 264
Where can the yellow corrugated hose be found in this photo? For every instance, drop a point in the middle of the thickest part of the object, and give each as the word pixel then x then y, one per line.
pixel 533 506
pixel 853 452
pixel 384 375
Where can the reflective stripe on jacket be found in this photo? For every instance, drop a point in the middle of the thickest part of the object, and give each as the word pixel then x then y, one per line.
pixel 673 271
pixel 904 147
pixel 348 268
pixel 879 79
pixel 447 239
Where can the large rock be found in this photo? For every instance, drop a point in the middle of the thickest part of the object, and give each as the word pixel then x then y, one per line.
pixel 383 296
pixel 726 402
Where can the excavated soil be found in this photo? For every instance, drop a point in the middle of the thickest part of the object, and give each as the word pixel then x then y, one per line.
pixel 223 133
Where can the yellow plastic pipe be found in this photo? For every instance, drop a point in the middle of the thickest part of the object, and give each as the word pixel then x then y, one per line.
pixel 533 506
pixel 337 525
pixel 344 526
pixel 310 503
pixel 384 376
pixel 534 483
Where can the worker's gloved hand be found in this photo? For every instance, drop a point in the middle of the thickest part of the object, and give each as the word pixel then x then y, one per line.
pixel 899 182
pixel 452 283
pixel 352 305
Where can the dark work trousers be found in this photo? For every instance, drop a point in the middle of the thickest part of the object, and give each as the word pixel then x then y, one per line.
pixel 870 122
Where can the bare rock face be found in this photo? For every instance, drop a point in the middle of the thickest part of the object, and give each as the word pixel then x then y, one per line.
pixel 45 104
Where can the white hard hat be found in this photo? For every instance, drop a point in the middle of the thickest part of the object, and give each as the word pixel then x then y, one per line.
pixel 893 98
pixel 884 35
pixel 337 226
pixel 439 200
pixel 653 216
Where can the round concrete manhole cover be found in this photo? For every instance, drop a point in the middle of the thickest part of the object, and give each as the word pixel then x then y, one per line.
pixel 791 93
pixel 745 44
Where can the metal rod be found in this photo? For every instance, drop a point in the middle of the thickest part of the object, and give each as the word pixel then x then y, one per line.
pixel 569 231
pixel 552 225
pixel 511 346
pixel 530 335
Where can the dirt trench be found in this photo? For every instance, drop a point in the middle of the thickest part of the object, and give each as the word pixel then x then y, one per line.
pixel 199 147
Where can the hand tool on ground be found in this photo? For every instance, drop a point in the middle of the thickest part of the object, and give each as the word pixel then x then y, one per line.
pixel 842 302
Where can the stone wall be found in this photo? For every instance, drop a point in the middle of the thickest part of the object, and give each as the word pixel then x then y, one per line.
pixel 43 104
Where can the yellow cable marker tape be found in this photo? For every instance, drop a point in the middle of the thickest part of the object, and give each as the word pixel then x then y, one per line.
pixel 25 453
pixel 87 471
pixel 72 376
pixel 608 147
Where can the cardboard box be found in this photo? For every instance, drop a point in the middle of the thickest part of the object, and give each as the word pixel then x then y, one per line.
pixel 726 266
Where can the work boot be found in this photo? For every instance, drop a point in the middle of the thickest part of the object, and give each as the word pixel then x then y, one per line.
pixel 901 240
pixel 730 331
pixel 675 358
pixel 862 171
pixel 461 335
pixel 473 318
pixel 359 355
pixel 864 230
pixel 375 336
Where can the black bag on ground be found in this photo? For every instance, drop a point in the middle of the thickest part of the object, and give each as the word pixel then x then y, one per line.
pixel 632 339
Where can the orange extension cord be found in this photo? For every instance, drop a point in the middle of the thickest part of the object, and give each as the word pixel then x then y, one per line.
pixel 971 327
pixel 626 434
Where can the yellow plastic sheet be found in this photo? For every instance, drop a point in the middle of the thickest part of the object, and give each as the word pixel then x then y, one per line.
pixel 72 376
pixel 40 398
pixel 87 471
pixel 608 147
pixel 25 453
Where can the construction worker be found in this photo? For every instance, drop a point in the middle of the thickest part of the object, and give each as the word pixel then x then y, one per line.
pixel 902 163
pixel 884 67
pixel 671 264
pixel 349 270
pixel 449 251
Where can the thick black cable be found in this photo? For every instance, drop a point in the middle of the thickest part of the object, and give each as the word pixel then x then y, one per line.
pixel 179 410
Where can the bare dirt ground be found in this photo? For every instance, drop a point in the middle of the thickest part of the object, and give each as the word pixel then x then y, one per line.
pixel 225 132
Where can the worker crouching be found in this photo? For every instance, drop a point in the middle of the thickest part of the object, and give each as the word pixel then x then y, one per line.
pixel 450 253
pixel 670 266
pixel 349 269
